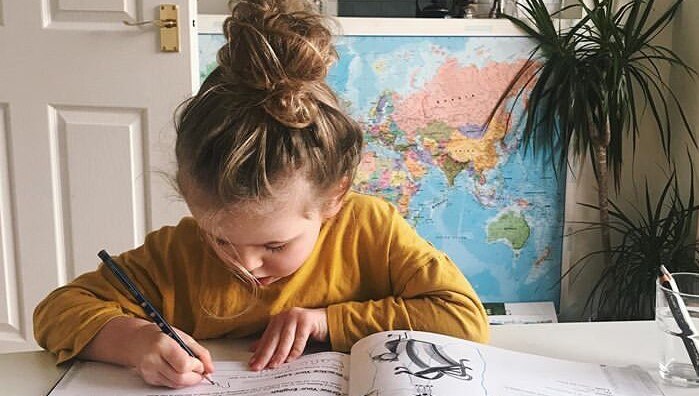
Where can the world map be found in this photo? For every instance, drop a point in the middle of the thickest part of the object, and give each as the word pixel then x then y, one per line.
pixel 467 187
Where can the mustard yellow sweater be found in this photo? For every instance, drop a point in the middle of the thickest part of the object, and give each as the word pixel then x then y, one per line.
pixel 369 268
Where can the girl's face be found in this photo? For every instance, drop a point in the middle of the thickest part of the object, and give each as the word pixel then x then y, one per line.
pixel 269 240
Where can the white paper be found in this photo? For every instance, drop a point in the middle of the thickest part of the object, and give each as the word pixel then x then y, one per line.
pixel 425 364
pixel 395 363
pixel 318 374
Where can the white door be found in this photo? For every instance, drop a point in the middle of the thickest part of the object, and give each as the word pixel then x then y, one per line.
pixel 86 139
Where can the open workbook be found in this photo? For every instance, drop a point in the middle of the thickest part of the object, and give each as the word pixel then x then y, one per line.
pixel 393 363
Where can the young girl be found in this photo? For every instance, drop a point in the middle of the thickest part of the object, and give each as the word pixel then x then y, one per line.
pixel 277 244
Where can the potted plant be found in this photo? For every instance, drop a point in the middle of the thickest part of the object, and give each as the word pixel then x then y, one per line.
pixel 662 232
pixel 590 82
pixel 588 86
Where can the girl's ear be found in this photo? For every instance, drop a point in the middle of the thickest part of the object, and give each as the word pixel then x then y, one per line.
pixel 335 198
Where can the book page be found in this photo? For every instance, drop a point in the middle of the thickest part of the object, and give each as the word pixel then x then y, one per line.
pixel 413 363
pixel 317 374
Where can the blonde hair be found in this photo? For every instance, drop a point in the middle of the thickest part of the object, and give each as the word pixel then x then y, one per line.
pixel 266 111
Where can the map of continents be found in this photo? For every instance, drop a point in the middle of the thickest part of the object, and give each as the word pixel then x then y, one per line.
pixel 471 191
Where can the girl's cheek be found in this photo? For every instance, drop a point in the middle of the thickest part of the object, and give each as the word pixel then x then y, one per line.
pixel 290 264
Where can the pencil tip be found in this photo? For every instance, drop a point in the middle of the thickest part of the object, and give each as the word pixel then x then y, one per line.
pixel 209 379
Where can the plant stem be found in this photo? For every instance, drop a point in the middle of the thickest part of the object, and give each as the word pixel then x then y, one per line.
pixel 601 146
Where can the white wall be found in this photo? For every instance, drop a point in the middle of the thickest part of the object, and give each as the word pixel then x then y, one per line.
pixel 686 30
pixel 213 6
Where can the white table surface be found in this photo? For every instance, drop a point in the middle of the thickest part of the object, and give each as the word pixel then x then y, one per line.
pixel 614 343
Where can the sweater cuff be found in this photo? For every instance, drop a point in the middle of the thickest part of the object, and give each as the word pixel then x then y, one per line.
pixel 339 339
pixel 85 334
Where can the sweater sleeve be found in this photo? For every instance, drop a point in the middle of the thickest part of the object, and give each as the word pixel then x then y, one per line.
pixel 70 316
pixel 428 291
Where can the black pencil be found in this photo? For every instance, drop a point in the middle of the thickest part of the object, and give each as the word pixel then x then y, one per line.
pixel 681 316
pixel 148 308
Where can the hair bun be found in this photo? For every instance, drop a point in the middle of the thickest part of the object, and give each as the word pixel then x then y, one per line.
pixel 291 103
pixel 279 51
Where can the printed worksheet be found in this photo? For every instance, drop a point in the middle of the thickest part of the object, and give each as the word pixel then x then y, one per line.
pixel 390 363
pixel 323 373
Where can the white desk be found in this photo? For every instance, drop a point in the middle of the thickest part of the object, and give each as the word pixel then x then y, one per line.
pixel 614 343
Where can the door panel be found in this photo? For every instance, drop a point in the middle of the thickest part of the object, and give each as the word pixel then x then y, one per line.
pixel 10 326
pixel 91 14
pixel 86 110
pixel 102 180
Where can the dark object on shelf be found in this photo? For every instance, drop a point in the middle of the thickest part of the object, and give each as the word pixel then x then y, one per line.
pixel 496 9
pixel 463 8
pixel 436 9
pixel 376 8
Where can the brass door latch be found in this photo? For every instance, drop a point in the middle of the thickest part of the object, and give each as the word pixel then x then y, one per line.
pixel 168 22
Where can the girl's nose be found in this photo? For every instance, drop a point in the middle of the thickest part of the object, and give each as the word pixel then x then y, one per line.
pixel 250 261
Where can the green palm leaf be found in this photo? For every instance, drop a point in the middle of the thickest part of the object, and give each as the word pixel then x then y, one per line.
pixel 593 83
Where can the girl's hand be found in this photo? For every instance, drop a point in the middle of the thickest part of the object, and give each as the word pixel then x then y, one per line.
pixel 161 361
pixel 286 336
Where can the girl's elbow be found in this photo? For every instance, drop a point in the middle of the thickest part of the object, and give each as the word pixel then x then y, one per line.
pixel 466 320
pixel 473 326
pixel 480 332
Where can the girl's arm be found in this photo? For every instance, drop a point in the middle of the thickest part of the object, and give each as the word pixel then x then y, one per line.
pixel 95 318
pixel 70 316
pixel 437 298
pixel 424 289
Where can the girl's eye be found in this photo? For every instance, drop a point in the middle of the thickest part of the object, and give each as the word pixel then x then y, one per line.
pixel 221 242
pixel 275 249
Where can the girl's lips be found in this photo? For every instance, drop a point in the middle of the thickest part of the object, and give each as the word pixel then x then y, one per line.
pixel 266 280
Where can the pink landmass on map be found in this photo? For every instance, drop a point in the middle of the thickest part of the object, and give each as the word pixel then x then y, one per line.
pixel 458 95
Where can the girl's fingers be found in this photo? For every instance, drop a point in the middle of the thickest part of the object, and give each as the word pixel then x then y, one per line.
pixel 159 372
pixel 182 370
pixel 203 355
pixel 180 361
pixel 163 380
pixel 254 345
pixel 299 345
pixel 267 346
pixel 176 380
pixel 286 341
pixel 158 379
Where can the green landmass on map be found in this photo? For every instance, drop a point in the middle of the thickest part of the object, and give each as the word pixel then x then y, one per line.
pixel 438 131
pixel 510 226
pixel 452 168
